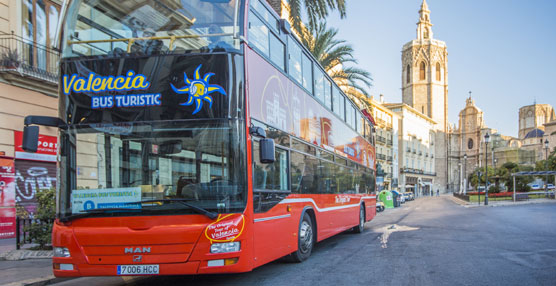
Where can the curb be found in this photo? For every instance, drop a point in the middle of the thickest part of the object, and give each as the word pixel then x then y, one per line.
pixel 41 281
pixel 13 255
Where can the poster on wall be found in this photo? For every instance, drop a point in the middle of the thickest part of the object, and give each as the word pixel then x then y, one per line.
pixel 7 223
pixel 31 177
pixel 7 185
pixel 7 198
pixel 46 149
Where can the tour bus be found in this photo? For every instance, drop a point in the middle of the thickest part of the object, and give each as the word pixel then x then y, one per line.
pixel 198 136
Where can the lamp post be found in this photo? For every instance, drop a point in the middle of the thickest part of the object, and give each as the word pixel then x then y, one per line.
pixel 546 165
pixel 487 140
pixel 464 174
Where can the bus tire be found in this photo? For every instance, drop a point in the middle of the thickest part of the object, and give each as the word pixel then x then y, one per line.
pixel 305 240
pixel 361 226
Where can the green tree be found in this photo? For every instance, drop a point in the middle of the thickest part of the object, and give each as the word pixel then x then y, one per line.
pixel 40 231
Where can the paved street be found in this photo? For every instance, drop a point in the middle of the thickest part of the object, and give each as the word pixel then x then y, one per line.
pixel 434 242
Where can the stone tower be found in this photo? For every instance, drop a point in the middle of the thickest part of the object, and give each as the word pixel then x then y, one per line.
pixel 534 116
pixel 425 86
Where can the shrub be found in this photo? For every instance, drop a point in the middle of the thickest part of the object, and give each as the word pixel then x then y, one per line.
pixel 40 231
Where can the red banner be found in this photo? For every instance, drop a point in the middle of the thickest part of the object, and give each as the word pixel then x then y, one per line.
pixel 7 184
pixel 46 150
pixel 7 223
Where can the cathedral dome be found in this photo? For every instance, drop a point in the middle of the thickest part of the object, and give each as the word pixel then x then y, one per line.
pixel 535 133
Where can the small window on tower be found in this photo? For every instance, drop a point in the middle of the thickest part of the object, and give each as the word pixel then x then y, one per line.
pixel 422 71
pixel 438 71
pixel 408 72
pixel 426 34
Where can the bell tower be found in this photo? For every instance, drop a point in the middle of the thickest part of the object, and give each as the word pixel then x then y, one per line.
pixel 425 72
pixel 425 86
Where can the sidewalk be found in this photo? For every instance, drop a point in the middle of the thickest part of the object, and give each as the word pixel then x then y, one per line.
pixel 500 203
pixel 24 267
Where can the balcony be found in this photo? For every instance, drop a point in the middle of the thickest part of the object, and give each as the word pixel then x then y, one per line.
pixel 408 150
pixel 414 151
pixel 24 59
pixel 420 153
pixel 389 142
pixel 381 156
pixel 381 139
pixel 389 158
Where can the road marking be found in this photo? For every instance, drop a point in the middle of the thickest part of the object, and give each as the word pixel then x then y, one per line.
pixel 389 229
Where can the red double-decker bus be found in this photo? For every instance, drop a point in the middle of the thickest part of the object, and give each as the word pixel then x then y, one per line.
pixel 198 136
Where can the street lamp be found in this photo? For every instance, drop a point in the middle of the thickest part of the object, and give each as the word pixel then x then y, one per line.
pixel 487 140
pixel 546 165
pixel 464 174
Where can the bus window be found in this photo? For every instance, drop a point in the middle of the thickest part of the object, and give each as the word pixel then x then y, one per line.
pixel 258 34
pixel 307 73
pixel 319 85
pixel 303 147
pixel 303 175
pixel 336 100
pixel 265 14
pixel 108 27
pixel 294 67
pixel 342 108
pixel 277 51
pixel 270 176
pixel 327 96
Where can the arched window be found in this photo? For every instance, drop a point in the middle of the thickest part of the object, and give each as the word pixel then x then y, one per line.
pixel 438 71
pixel 422 71
pixel 407 73
pixel 426 33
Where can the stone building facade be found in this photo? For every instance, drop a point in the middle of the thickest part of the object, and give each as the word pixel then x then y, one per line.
pixel 416 150
pixel 28 86
pixel 386 140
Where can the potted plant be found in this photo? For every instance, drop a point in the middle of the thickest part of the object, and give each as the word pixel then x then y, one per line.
pixel 10 59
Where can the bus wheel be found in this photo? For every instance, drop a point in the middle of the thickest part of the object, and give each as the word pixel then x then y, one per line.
pixel 361 226
pixel 305 240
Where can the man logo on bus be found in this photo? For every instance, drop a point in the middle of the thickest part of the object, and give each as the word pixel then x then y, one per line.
pixel 198 90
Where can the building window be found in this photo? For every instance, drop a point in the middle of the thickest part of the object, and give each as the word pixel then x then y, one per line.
pixel 407 73
pixel 422 71
pixel 39 21
pixel 438 71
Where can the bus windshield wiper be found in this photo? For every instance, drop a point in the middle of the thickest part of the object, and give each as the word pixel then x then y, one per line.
pixel 184 202
pixel 91 212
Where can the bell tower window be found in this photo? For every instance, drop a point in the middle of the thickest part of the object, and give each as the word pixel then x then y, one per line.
pixel 422 71
pixel 438 71
pixel 407 73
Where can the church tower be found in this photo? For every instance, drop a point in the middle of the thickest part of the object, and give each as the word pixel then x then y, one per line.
pixel 425 72
pixel 425 86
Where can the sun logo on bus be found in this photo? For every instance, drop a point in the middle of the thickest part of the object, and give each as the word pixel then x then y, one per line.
pixel 198 89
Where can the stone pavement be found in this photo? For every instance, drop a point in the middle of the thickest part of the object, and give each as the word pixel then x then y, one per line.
pixel 24 267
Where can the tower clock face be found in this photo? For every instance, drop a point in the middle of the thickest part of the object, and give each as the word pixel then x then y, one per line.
pixel 470 144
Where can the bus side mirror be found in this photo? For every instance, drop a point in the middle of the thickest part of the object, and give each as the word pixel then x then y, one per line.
pixel 30 139
pixel 266 151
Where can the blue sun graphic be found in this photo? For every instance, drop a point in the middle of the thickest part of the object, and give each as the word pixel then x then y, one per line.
pixel 198 89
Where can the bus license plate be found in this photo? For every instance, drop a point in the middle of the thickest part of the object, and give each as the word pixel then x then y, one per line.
pixel 137 269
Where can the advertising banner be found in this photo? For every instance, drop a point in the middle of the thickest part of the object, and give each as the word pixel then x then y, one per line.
pixel 7 185
pixel 105 198
pixel 46 150
pixel 7 223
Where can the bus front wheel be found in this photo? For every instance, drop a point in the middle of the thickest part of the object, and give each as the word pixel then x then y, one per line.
pixel 305 240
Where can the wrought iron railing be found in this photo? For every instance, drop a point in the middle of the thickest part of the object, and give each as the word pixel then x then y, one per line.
pixel 26 58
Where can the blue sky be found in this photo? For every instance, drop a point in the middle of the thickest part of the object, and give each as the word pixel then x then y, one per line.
pixel 502 51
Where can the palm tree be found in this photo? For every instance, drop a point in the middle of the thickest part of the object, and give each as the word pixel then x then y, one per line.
pixel 315 10
pixel 334 55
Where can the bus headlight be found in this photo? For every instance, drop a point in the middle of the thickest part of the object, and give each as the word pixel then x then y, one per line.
pixel 61 252
pixel 225 247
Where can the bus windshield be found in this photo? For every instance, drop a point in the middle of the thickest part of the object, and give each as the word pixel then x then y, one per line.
pixel 116 166
pixel 115 27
